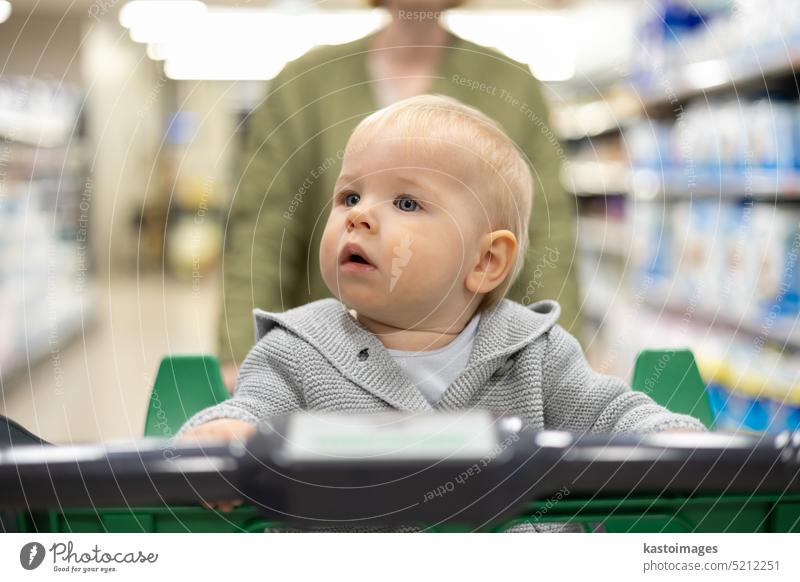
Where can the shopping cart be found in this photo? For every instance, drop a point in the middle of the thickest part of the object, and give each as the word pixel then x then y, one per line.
pixel 626 483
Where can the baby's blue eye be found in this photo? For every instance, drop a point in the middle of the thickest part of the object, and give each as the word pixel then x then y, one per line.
pixel 349 197
pixel 406 204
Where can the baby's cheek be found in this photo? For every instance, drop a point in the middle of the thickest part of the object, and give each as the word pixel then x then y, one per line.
pixel 453 265
pixel 326 253
pixel 436 270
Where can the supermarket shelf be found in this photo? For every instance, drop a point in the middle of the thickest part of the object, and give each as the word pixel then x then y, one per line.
pixel 601 179
pixel 603 116
pixel 46 175
pixel 606 237
pixel 596 178
pixel 596 309
pixel 627 103
pixel 720 75
pixel 602 296
pixel 785 333
pixel 74 321
pixel 677 184
pixel 37 131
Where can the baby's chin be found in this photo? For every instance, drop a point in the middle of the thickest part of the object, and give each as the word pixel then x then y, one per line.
pixel 366 304
pixel 379 307
pixel 373 298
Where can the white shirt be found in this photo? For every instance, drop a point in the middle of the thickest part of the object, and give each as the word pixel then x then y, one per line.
pixel 433 371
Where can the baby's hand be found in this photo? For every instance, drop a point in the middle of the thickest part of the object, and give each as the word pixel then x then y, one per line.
pixel 226 429
pixel 229 374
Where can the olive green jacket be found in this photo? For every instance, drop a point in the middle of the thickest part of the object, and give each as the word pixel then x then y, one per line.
pixel 292 158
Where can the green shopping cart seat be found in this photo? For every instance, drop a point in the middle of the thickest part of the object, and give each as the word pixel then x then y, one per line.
pixel 672 379
pixel 183 385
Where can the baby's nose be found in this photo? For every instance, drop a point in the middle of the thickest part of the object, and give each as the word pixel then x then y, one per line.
pixel 360 219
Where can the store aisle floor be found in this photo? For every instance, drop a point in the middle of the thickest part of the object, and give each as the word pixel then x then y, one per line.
pixel 97 386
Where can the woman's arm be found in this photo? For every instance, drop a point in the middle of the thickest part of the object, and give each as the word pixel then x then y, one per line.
pixel 550 271
pixel 266 232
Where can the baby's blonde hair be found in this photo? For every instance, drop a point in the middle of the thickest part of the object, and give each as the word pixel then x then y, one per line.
pixel 442 121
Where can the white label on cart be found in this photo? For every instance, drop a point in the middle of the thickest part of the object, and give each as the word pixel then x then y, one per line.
pixel 393 436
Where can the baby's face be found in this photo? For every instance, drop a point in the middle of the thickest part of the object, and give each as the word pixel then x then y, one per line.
pixel 403 233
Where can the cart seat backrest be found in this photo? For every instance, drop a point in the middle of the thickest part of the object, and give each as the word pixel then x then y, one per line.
pixel 184 385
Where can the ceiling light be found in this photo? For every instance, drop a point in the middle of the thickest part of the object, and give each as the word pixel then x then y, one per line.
pixel 5 10
pixel 149 12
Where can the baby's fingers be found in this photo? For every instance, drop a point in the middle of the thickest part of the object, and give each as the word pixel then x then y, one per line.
pixel 228 506
pixel 225 506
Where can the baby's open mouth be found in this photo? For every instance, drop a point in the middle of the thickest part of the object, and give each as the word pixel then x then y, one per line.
pixel 358 259
pixel 353 258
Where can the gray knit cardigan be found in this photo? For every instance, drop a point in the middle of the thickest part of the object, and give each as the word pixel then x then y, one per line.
pixel 318 357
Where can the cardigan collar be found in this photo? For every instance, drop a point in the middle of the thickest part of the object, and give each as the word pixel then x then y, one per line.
pixel 359 355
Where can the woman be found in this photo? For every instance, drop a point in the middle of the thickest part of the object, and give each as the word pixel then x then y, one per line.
pixel 293 156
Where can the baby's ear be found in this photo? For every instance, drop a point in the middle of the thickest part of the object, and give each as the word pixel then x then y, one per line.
pixel 494 262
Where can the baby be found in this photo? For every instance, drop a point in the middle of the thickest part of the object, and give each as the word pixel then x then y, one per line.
pixel 428 229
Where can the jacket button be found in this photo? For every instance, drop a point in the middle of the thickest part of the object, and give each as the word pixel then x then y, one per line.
pixel 363 354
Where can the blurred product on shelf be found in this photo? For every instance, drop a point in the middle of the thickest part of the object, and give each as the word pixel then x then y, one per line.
pixel 735 261
pixel 693 50
pixel 752 385
pixel 753 392
pixel 45 200
pixel 40 113
pixel 708 40
pixel 707 174
pixel 723 278
pixel 722 147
